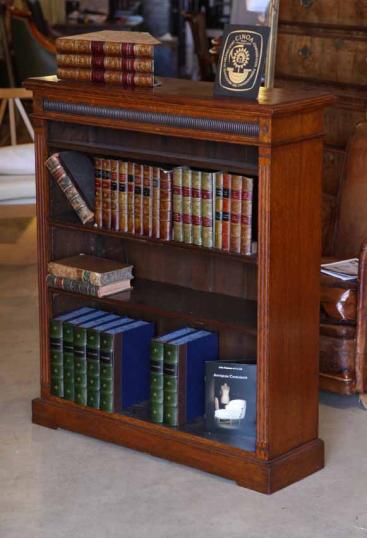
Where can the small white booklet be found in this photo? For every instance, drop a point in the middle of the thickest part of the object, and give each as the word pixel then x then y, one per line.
pixel 345 269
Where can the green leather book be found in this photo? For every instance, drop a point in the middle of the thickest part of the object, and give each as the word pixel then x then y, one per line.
pixel 80 356
pixel 56 349
pixel 68 350
pixel 156 372
pixel 93 358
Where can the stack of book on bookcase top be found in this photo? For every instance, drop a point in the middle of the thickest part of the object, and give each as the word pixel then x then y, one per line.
pixel 109 56
pixel 89 275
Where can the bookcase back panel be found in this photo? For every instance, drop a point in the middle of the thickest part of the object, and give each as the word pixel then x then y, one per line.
pixel 153 148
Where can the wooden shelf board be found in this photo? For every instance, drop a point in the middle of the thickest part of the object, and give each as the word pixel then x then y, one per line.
pixel 152 298
pixel 66 224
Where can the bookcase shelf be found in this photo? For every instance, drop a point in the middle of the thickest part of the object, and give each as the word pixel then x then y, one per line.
pixel 264 307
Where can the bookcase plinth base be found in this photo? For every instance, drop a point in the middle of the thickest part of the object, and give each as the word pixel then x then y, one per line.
pixel 180 447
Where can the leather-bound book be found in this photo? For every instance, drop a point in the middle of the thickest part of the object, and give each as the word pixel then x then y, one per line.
pixel 114 195
pixel 123 208
pixel 109 43
pixel 218 209
pixel 125 365
pixel 156 201
pixel 108 63
pixel 184 376
pixel 130 196
pixel 74 174
pixel 106 193
pixel 138 199
pixel 246 215
pixel 122 78
pixel 207 209
pixel 226 214
pixel 177 204
pixel 156 371
pixel 98 174
pixel 92 269
pixel 84 288
pixel 236 204
pixel 166 205
pixel 196 208
pixel 187 206
pixel 147 200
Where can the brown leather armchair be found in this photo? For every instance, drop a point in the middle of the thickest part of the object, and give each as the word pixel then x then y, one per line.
pixel 343 342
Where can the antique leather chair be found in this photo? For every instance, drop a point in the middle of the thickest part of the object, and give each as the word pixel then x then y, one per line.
pixel 343 334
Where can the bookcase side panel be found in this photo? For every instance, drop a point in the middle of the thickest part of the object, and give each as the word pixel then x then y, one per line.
pixel 42 191
pixel 289 259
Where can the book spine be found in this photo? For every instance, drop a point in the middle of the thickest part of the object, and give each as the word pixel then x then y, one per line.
pixel 110 63
pixel 138 199
pixel 156 381
pixel 130 197
pixel 187 206
pixel 93 278
pixel 207 208
pixel 156 201
pixel 67 186
pixel 80 365
pixel 170 384
pixel 104 48
pixel 177 205
pixel 68 352
pixel 236 203
pixel 75 286
pixel 226 214
pixel 196 208
pixel 56 358
pixel 218 209
pixel 107 372
pixel 115 218
pixel 148 201
pixel 246 216
pixel 106 193
pixel 132 80
pixel 123 209
pixel 166 205
pixel 93 367
pixel 98 174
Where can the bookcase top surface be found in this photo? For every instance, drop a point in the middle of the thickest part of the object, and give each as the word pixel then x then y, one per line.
pixel 182 92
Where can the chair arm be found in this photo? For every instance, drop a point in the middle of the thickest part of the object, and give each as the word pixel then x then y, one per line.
pixel 42 40
pixel 361 335
pixel 14 93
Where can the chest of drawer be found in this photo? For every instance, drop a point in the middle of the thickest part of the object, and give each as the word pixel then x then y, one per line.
pixel 335 12
pixel 331 57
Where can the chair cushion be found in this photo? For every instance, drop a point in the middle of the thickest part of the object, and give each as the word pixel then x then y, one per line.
pixel 17 187
pixel 17 160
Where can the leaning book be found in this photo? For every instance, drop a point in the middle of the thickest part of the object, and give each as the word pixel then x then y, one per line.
pixel 344 269
pixel 230 400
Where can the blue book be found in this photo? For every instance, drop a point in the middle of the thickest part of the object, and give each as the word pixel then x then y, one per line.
pixel 184 376
pixel 125 365
pixel 56 348
pixel 93 358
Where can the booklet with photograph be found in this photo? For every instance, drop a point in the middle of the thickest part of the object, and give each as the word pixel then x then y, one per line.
pixel 230 403
pixel 344 269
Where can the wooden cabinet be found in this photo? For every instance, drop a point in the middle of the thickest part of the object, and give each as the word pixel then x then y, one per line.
pixel 264 306
pixel 323 44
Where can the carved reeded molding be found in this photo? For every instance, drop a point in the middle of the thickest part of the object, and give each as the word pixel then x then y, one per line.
pixel 156 118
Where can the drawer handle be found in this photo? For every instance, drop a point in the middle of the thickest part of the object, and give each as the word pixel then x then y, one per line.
pixel 306 3
pixel 305 52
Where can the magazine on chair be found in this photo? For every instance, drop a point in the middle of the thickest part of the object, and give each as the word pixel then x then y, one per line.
pixel 230 398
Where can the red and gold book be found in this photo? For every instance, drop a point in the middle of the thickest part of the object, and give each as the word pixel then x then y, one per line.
pixel 166 205
pixel 236 203
pixel 226 214
pixel 114 195
pixel 177 204
pixel 207 210
pixel 98 190
pixel 123 165
pixel 156 201
pixel 106 193
pixel 130 197
pixel 218 209
pixel 122 78
pixel 246 215
pixel 147 200
pixel 138 199
pixel 196 208
pixel 187 206
pixel 108 63
pixel 109 43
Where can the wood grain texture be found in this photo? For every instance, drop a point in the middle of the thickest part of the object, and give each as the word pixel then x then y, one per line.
pixel 352 13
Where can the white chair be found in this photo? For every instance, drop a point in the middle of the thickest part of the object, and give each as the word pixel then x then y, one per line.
pixel 234 410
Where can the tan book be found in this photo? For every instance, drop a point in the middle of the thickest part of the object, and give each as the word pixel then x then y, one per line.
pixel 109 63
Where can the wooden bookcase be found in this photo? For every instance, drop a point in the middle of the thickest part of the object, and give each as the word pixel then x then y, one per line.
pixel 264 306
